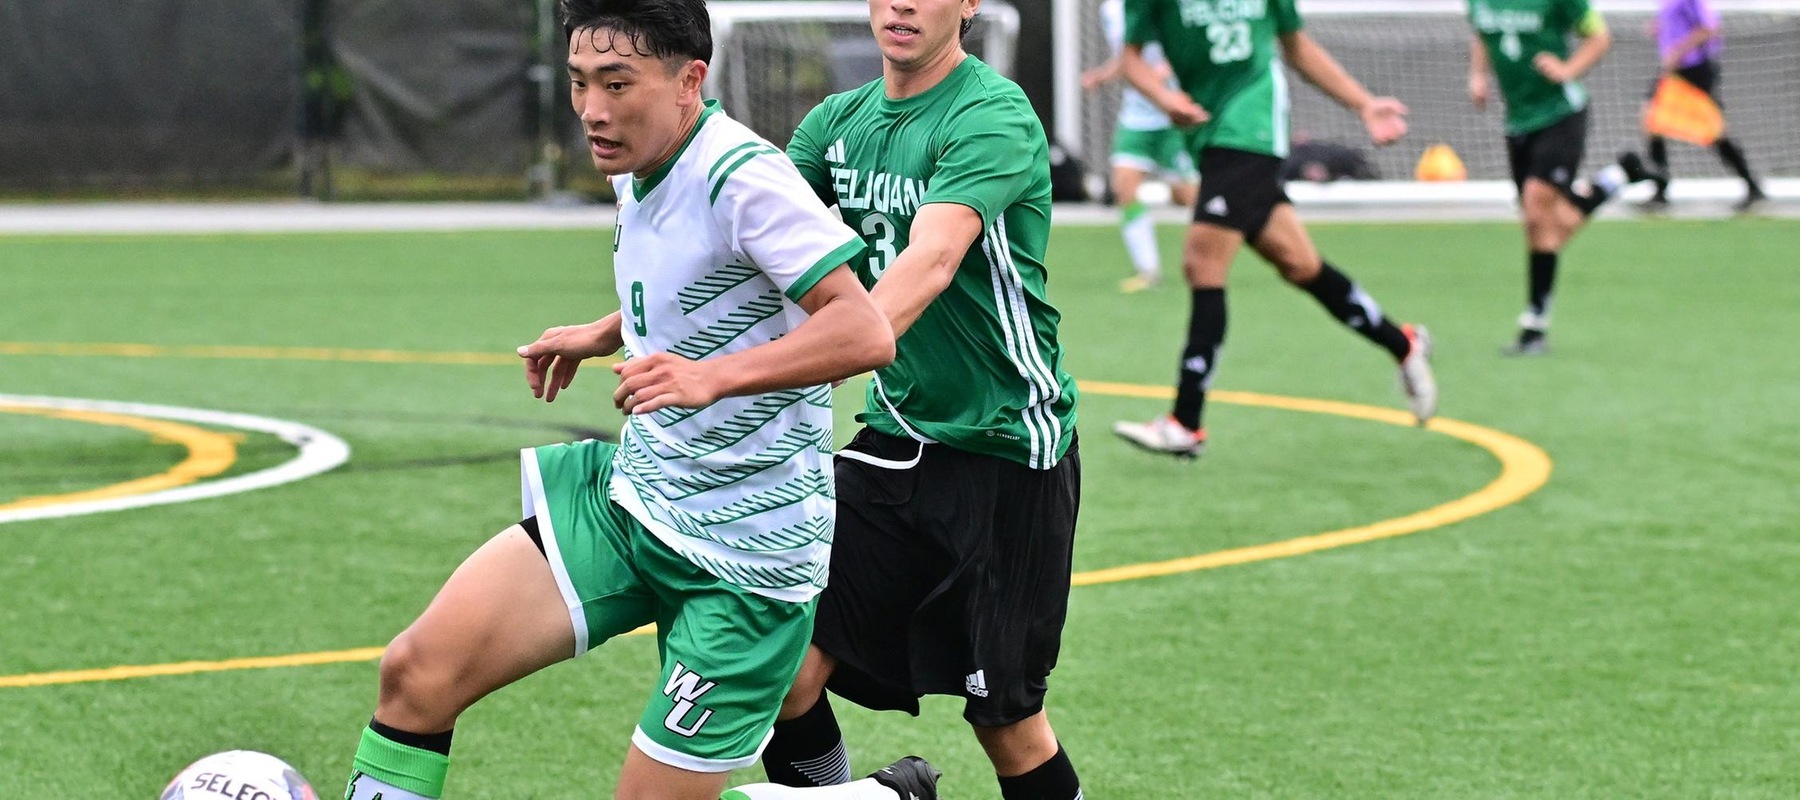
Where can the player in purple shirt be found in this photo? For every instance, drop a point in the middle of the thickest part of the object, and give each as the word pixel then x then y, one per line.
pixel 1688 40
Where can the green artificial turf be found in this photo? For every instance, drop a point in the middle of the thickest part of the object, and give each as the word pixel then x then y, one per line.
pixel 1630 630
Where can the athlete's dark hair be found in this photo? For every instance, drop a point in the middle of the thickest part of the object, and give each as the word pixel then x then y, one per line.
pixel 655 28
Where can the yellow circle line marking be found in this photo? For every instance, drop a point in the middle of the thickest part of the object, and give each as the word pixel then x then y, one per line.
pixel 126 350
pixel 208 454
pixel 1524 468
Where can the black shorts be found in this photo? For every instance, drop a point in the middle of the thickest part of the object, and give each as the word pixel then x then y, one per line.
pixel 1704 76
pixel 1552 155
pixel 949 577
pixel 1238 190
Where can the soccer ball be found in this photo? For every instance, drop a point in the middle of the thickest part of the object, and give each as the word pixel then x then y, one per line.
pixel 239 775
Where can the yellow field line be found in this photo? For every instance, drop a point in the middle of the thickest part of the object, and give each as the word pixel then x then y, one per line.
pixel 241 352
pixel 208 454
pixel 188 668
pixel 1524 468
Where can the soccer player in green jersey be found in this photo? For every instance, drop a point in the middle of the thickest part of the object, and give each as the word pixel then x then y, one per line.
pixel 1525 43
pixel 957 503
pixel 1234 97
pixel 712 516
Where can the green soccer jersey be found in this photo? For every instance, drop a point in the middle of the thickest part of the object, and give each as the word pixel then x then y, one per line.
pixel 1225 54
pixel 1515 32
pixel 981 369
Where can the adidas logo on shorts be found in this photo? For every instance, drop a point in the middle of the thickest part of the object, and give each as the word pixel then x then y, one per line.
pixel 976 683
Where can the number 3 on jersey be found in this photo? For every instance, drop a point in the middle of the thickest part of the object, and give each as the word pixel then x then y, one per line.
pixel 879 226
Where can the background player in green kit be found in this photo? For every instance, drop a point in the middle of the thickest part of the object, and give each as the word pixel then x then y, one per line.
pixel 1526 45
pixel 1235 96
pixel 957 504
pixel 712 516
pixel 1145 143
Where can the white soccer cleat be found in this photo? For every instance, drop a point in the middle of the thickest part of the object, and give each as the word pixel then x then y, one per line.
pixel 1416 380
pixel 1163 435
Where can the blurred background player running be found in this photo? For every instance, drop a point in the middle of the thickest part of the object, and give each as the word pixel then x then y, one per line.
pixel 1145 144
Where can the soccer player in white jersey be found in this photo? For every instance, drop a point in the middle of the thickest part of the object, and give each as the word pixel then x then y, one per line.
pixel 712 517
pixel 1145 143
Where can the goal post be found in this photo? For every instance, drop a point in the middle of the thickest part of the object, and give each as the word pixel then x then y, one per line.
pixel 774 60
pixel 1418 51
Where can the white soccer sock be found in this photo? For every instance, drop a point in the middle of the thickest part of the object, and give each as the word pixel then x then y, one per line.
pixel 1140 240
pixel 865 789
pixel 366 787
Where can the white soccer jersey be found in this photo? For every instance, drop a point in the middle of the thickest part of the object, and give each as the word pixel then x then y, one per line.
pixel 710 254
pixel 1136 112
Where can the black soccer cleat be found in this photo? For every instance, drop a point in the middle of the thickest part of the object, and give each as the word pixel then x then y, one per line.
pixel 1530 343
pixel 912 778
pixel 1753 198
pixel 1635 171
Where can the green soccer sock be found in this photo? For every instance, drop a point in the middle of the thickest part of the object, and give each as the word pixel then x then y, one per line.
pixel 389 770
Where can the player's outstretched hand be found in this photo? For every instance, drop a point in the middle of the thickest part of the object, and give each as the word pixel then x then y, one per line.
pixel 551 361
pixel 1182 109
pixel 1479 91
pixel 1554 69
pixel 662 380
pixel 1385 118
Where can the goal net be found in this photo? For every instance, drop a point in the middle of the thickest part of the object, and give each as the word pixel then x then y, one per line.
pixel 774 61
pixel 1418 51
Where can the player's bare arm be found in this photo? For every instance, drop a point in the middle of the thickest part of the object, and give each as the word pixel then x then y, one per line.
pixel 1384 117
pixel 843 335
pixel 551 361
pixel 1479 87
pixel 1595 41
pixel 1151 83
pixel 942 234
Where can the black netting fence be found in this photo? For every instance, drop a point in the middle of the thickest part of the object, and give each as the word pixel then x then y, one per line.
pixel 316 96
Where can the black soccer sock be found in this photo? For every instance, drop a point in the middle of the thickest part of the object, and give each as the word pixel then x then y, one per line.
pixel 1052 780
pixel 808 750
pixel 1354 307
pixel 1541 285
pixel 1206 334
pixel 1659 158
pixel 1733 156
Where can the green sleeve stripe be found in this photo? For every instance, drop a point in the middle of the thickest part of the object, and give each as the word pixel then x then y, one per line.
pixel 414 769
pixel 823 267
pixel 727 157
pixel 719 182
pixel 1591 25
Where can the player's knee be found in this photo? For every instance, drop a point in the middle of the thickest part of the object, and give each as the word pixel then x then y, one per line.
pixel 413 689
pixel 809 685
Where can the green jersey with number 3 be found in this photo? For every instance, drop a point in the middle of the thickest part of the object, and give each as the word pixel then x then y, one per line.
pixel 1224 53
pixel 1515 32
pixel 981 369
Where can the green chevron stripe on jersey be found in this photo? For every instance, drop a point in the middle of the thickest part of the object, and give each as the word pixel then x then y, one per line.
pixel 714 286
pixel 731 327
pixel 712 262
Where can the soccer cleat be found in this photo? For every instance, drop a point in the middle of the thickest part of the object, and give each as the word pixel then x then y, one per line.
pixel 1416 380
pixel 1163 435
pixel 1635 171
pixel 1530 343
pixel 912 778
pixel 1752 199
pixel 1138 283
